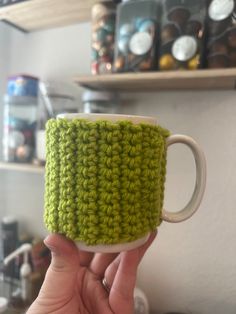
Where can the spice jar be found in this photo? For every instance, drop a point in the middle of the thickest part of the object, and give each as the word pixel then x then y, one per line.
pixel 103 33
pixel 137 30
pixel 221 45
pixel 20 115
pixel 182 35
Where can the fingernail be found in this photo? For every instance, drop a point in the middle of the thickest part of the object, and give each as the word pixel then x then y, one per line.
pixel 52 248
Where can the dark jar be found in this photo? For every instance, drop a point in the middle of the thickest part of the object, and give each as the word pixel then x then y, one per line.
pixel 221 45
pixel 182 35
pixel 103 37
pixel 137 30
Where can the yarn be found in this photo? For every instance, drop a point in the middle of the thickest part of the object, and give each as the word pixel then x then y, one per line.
pixel 104 180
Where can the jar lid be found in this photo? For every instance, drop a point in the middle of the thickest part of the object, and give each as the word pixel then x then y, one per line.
pixel 140 43
pixel 8 220
pixel 101 9
pixel 3 304
pixel 174 3
pixel 57 89
pixel 220 9
pixel 23 76
pixel 184 48
pixel 90 95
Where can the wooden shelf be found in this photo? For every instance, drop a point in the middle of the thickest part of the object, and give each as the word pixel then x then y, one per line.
pixel 21 167
pixel 224 79
pixel 33 15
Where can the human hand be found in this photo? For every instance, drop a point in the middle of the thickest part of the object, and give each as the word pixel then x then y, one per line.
pixel 73 283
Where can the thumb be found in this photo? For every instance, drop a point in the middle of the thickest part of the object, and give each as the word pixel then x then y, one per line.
pixel 61 276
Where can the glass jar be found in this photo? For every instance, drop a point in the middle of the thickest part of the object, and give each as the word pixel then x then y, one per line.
pixel 221 46
pixel 22 85
pixel 100 102
pixel 136 35
pixel 103 34
pixel 56 97
pixel 20 115
pixel 182 35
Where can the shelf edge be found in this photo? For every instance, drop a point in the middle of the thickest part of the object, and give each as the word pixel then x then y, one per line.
pixel 27 168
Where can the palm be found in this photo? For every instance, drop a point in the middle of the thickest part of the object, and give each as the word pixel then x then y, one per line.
pixel 93 298
pixel 89 295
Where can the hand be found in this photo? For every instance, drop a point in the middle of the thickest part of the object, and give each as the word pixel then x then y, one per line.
pixel 73 283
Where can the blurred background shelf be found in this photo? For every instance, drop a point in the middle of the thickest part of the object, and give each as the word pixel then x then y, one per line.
pixel 22 167
pixel 224 79
pixel 32 15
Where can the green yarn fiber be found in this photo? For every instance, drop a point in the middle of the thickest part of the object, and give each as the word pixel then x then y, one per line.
pixel 104 180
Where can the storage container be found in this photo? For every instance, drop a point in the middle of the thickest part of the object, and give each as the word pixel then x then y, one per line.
pixel 221 46
pixel 20 114
pixel 182 35
pixel 22 85
pixel 103 33
pixel 100 102
pixel 137 30
pixel 55 98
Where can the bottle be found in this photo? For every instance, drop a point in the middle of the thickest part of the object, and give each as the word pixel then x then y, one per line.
pixel 141 304
pixel 137 30
pixel 25 269
pixel 9 236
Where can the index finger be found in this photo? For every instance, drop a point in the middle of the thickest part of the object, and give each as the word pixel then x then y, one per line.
pixel 121 294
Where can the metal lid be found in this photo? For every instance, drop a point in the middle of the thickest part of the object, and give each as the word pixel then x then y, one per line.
pixel 140 43
pixel 8 220
pixel 103 8
pixel 184 48
pixel 90 95
pixel 22 76
pixel 220 9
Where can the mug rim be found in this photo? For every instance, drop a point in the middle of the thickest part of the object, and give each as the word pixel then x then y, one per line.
pixel 136 119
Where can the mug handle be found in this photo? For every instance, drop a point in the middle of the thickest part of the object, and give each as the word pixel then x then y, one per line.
pixel 200 183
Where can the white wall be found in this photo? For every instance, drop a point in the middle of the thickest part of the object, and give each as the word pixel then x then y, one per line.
pixel 192 265
pixel 4 69
pixel 4 52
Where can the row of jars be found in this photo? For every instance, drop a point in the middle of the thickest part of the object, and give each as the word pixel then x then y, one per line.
pixel 28 104
pixel 145 35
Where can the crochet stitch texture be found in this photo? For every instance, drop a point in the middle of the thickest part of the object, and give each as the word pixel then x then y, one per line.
pixel 104 180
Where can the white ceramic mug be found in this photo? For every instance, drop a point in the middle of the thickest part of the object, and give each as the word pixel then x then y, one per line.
pixel 200 182
pixel 172 217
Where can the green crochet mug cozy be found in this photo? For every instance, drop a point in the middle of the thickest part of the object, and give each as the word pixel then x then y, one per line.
pixel 104 180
